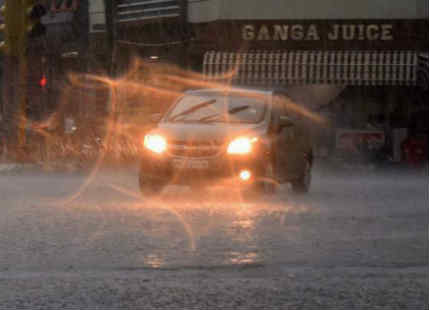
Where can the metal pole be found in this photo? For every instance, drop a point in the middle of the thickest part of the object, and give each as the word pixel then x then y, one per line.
pixel 9 113
pixel 114 38
pixel 23 98
pixel 16 69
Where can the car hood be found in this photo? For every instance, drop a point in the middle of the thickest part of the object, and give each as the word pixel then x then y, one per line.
pixel 214 132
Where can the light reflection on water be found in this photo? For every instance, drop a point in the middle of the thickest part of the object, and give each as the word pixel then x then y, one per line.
pixel 244 223
pixel 154 260
pixel 238 258
pixel 176 230
pixel 183 228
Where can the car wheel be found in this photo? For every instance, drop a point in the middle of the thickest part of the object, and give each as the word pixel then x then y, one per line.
pixel 302 184
pixel 150 186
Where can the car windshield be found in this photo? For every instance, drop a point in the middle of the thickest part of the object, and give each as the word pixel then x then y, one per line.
pixel 217 108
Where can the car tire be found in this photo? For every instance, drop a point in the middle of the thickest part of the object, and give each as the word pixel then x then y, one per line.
pixel 150 186
pixel 302 184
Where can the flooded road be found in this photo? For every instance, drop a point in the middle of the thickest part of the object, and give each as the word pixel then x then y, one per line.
pixel 358 231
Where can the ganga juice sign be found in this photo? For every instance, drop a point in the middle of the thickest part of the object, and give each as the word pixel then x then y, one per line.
pixel 316 34
pixel 312 32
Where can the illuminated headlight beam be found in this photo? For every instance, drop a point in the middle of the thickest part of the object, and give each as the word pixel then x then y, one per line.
pixel 155 143
pixel 242 145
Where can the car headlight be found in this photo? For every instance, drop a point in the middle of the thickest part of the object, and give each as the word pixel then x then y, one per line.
pixel 242 145
pixel 155 143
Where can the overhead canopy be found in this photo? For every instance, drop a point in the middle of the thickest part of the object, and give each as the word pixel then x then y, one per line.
pixel 282 68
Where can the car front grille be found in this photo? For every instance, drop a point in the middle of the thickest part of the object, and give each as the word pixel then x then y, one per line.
pixel 195 150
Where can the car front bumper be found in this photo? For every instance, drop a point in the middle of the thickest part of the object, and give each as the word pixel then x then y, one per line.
pixel 188 170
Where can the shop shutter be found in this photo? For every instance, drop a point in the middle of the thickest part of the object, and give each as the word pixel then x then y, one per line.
pixel 139 10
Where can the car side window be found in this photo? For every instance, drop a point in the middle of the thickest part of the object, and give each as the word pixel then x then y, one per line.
pixel 286 135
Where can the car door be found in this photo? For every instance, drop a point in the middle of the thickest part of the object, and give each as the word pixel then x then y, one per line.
pixel 289 154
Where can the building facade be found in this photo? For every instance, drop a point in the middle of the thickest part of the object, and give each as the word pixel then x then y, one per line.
pixel 282 43
pixel 362 61
pixel 339 42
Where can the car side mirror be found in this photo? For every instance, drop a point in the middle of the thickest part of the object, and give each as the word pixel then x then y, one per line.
pixel 155 118
pixel 284 122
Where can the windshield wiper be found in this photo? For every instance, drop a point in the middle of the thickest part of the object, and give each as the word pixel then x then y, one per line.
pixel 213 117
pixel 192 109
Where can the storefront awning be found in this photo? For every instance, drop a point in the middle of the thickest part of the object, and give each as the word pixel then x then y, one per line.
pixel 279 68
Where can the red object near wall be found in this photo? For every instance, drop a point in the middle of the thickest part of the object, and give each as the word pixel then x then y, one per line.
pixel 415 151
pixel 43 82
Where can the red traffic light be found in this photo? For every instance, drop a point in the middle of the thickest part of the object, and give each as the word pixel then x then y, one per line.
pixel 43 81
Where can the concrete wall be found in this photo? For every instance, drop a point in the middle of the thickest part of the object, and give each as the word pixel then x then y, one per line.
pixel 211 10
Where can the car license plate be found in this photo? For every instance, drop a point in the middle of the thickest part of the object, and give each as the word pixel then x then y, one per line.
pixel 190 163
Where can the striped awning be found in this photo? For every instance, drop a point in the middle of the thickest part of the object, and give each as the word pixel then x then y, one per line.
pixel 275 68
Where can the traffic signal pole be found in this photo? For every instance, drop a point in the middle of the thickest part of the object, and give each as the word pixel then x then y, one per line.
pixel 23 98
pixel 21 18
pixel 13 29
